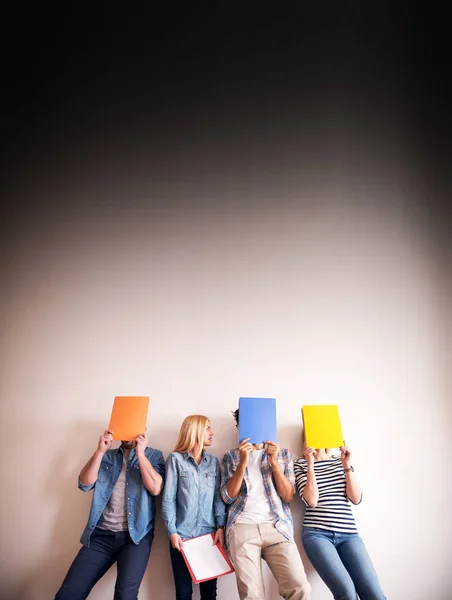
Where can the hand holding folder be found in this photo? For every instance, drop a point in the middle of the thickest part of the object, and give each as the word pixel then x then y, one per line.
pixel 205 560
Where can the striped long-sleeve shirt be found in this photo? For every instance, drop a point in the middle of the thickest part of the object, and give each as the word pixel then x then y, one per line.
pixel 333 511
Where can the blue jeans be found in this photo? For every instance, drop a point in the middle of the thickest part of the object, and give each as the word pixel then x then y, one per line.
pixel 91 563
pixel 183 580
pixel 342 561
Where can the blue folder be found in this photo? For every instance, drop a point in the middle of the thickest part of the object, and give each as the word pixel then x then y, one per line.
pixel 257 419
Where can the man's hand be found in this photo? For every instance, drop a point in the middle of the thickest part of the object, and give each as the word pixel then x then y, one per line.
pixel 141 442
pixel 272 452
pixel 88 475
pixel 310 455
pixel 176 541
pixel 219 537
pixel 284 487
pixel 245 448
pixel 105 441
pixel 346 456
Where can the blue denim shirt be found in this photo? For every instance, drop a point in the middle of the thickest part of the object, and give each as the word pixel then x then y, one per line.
pixel 192 504
pixel 140 502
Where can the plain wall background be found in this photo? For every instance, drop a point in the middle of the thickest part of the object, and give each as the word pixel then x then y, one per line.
pixel 313 298
pixel 206 203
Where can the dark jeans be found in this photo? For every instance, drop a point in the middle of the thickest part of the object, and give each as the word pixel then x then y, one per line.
pixel 183 581
pixel 106 548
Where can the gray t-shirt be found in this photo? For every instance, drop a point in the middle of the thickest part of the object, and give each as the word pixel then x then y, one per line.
pixel 114 515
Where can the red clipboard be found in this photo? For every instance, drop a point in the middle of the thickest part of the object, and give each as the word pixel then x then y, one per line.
pixel 214 565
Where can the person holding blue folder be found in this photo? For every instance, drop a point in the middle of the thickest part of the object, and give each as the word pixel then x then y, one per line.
pixel 192 505
pixel 257 483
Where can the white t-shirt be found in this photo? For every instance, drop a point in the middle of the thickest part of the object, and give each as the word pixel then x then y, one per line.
pixel 257 508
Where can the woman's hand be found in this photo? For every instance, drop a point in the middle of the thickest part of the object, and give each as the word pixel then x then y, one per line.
pixel 219 537
pixel 354 492
pixel 310 455
pixel 346 456
pixel 311 490
pixel 176 541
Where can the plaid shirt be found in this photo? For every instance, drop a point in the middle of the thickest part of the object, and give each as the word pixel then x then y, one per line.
pixel 229 464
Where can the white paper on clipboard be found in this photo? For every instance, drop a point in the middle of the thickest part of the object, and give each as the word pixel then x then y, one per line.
pixel 204 560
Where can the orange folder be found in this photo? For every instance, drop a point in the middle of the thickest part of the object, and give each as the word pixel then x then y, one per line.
pixel 128 417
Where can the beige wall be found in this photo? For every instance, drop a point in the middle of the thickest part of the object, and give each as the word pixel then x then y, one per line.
pixel 316 299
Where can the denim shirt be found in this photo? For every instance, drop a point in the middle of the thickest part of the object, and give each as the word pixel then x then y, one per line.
pixel 140 502
pixel 192 504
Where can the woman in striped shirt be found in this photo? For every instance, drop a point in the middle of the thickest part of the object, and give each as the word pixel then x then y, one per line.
pixel 327 485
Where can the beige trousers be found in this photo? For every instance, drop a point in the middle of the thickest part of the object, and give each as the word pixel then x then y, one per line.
pixel 248 543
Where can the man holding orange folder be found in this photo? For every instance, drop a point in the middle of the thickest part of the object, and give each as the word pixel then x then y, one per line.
pixel 120 527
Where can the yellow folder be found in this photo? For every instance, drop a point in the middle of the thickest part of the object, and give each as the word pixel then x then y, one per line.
pixel 322 426
pixel 128 417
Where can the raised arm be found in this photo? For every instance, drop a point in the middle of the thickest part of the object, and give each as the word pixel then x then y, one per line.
pixel 219 507
pixel 311 490
pixel 354 492
pixel 152 480
pixel 231 481
pixel 88 475
pixel 284 480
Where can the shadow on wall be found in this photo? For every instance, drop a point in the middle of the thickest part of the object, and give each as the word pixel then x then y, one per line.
pixel 72 509
pixel 226 438
pixel 71 514
pixel 63 542
pixel 159 575
pixel 226 435
pixel 289 436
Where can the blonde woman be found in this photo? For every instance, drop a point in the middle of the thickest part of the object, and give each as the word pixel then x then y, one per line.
pixel 192 504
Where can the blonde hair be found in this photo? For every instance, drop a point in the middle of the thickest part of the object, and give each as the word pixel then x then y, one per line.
pixel 191 433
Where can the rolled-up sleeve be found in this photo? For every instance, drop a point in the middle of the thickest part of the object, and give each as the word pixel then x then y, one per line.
pixel 170 495
pixel 226 474
pixel 289 468
pixel 85 487
pixel 219 506
pixel 156 459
